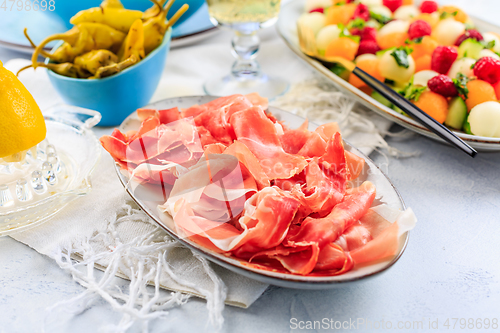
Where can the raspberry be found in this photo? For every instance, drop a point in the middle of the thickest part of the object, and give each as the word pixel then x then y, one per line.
pixel 469 34
pixel 428 6
pixel 368 33
pixel 368 46
pixel 362 12
pixel 393 4
pixel 442 58
pixel 487 69
pixel 419 28
pixel 319 10
pixel 442 85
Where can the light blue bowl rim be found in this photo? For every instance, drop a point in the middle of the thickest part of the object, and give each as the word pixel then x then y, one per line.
pixel 166 39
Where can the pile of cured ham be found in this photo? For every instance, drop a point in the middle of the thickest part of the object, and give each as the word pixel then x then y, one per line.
pixel 239 182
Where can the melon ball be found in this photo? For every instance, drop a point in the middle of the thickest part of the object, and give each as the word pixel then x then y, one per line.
pixel 488 37
pixel 381 10
pixel 391 70
pixel 366 56
pixel 394 26
pixel 374 24
pixel 448 31
pixel 313 4
pixel 484 119
pixel 488 53
pixel 326 35
pixel 406 13
pixel 371 3
pixel 462 66
pixel 315 21
pixel 421 78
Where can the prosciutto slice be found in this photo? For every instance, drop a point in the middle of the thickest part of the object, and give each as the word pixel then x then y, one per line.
pixel 258 133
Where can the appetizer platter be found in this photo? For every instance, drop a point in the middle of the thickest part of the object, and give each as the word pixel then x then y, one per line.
pixel 439 58
pixel 283 201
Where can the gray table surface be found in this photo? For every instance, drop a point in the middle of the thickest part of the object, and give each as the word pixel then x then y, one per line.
pixel 450 269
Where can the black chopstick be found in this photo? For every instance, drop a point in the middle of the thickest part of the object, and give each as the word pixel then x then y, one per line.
pixel 415 112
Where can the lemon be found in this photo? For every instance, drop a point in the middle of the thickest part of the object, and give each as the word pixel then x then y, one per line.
pixel 21 122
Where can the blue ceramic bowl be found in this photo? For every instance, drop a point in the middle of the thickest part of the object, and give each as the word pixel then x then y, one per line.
pixel 116 96
pixel 65 9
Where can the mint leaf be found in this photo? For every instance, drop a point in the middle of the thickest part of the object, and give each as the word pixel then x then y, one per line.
pixel 461 84
pixel 401 56
pixel 389 82
pixel 412 92
pixel 358 23
pixel 344 32
pixel 380 18
pixel 338 69
pixel 488 45
pixel 445 15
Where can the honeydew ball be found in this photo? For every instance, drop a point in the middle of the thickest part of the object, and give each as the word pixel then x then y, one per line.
pixel 488 53
pixel 462 66
pixel 488 37
pixel 421 78
pixel 448 31
pixel 391 70
pixel 374 24
pixel 371 3
pixel 394 26
pixel 366 56
pixel 326 35
pixel 313 4
pixel 315 21
pixel 484 119
pixel 381 10
pixel 406 13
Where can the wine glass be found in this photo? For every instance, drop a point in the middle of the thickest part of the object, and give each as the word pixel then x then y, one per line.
pixel 245 17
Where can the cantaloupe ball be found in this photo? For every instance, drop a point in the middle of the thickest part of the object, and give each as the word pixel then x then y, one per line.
pixel 448 31
pixel 462 66
pixel 326 35
pixel 391 70
pixel 371 3
pixel 484 119
pixel 381 10
pixel 366 56
pixel 315 21
pixel 488 53
pixel 313 4
pixel 421 78
pixel 488 37
pixel 394 26
pixel 406 13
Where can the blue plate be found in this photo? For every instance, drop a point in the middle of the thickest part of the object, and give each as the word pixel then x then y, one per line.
pixel 12 24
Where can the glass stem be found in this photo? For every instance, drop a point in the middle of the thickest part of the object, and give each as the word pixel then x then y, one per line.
pixel 245 48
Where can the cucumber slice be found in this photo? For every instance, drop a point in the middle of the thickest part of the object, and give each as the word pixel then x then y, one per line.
pixel 381 99
pixel 398 110
pixel 470 48
pixel 457 112
pixel 341 71
pixel 466 127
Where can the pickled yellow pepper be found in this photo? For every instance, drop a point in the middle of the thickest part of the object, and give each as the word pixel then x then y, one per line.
pixel 156 26
pixel 95 59
pixel 119 18
pixel 111 4
pixel 134 42
pixel 81 39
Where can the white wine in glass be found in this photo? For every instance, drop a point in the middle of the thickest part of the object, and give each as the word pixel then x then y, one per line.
pixel 245 17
